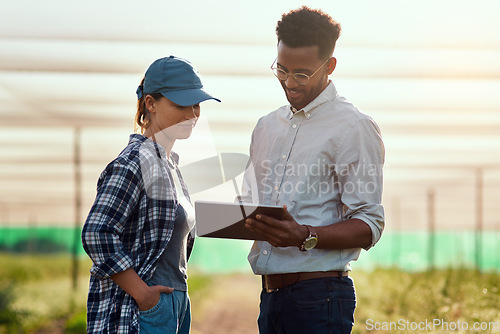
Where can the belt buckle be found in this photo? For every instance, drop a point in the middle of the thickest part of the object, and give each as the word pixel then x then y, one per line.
pixel 265 285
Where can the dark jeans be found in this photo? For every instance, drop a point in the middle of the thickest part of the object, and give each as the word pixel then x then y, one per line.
pixel 323 306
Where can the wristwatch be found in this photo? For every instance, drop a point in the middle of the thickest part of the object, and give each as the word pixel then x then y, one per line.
pixel 310 241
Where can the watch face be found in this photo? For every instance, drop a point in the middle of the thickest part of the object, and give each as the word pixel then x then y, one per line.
pixel 310 243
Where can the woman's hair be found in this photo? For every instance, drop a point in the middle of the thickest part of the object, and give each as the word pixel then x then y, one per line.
pixel 309 27
pixel 143 117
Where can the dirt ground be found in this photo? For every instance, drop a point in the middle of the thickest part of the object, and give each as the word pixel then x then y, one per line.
pixel 232 306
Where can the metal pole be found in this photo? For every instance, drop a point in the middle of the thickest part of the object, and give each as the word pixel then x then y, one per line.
pixel 396 251
pixel 4 224
pixel 479 217
pixel 78 204
pixel 432 228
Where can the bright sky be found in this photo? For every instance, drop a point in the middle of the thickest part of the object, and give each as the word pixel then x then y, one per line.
pixel 426 71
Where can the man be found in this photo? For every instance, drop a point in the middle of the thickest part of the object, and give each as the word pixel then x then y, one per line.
pixel 321 158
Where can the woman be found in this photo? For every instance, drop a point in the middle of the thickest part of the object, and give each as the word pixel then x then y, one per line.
pixel 139 232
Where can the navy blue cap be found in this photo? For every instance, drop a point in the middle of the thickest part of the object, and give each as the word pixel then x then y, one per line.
pixel 176 79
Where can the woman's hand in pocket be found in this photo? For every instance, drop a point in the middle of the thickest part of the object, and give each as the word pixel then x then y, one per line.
pixel 152 297
pixel 145 296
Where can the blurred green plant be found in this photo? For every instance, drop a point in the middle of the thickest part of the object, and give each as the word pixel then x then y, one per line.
pixel 43 294
pixel 450 295
pixel 77 323
pixel 10 320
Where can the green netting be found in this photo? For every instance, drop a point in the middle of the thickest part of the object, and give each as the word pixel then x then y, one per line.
pixel 409 250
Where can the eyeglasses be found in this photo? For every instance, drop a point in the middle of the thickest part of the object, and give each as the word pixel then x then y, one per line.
pixel 300 78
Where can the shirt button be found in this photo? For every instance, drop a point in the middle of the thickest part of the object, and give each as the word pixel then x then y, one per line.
pixel 294 126
pixel 276 188
pixel 284 156
pixel 264 252
pixel 308 115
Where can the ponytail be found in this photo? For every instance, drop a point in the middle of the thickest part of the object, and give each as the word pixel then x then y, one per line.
pixel 143 117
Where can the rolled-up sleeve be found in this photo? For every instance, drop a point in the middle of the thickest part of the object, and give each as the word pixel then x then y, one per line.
pixel 360 176
pixel 118 192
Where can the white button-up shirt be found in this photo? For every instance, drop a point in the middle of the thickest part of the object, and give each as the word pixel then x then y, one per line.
pixel 325 163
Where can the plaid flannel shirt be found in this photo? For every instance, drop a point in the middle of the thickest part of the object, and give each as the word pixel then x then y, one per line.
pixel 129 225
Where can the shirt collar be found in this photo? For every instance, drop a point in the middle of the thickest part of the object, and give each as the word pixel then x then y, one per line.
pixel 139 138
pixel 328 94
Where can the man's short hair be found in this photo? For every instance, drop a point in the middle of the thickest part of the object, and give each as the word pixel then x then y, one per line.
pixel 309 27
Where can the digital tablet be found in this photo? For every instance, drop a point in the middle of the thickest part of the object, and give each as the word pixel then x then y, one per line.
pixel 227 219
